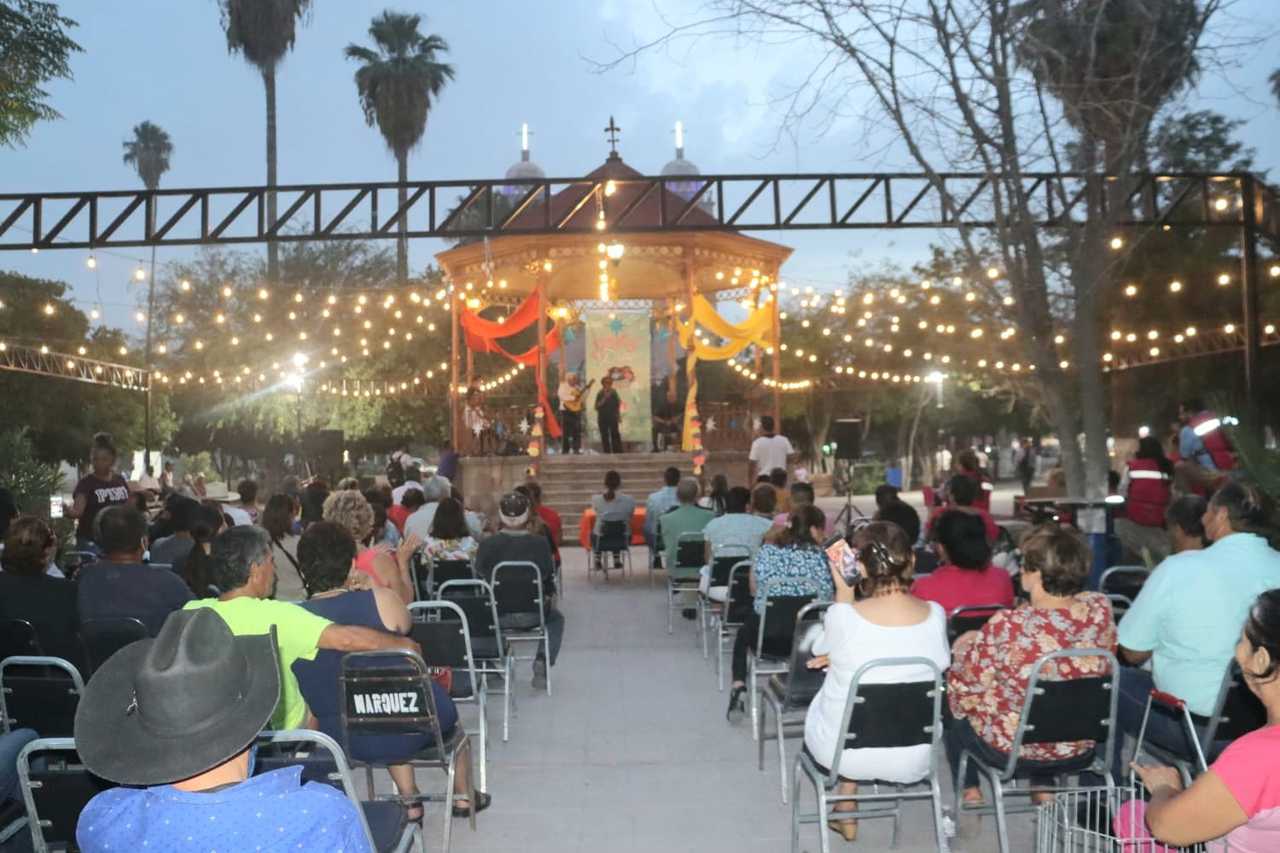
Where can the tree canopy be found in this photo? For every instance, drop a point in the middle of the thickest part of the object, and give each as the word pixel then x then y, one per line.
pixel 35 48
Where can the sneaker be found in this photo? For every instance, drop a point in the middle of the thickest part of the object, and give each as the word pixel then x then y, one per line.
pixel 737 706
pixel 539 675
pixel 689 613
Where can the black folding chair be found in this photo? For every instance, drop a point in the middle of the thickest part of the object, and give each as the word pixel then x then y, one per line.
pixel 429 575
pixel 18 637
pixel 970 617
pixel 789 693
pixel 686 575
pixel 389 692
pixel 55 789
pixel 441 629
pixel 773 639
pixel 101 638
pixel 731 616
pixel 41 693
pixel 612 542
pixel 723 559
pixel 489 649
pixel 880 715
pixel 522 608
pixel 1126 581
pixel 1054 711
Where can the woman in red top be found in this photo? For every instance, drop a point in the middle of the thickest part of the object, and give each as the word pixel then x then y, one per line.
pixel 966 576
pixel 990 669
pixel 1149 484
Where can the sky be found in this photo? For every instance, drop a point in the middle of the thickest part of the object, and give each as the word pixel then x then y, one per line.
pixel 516 61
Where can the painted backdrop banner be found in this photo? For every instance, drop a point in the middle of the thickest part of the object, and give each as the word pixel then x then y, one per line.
pixel 618 343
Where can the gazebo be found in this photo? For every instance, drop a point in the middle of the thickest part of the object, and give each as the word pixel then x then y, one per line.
pixel 675 277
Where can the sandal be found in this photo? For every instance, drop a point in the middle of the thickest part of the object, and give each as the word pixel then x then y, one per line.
pixel 846 829
pixel 482 802
pixel 415 818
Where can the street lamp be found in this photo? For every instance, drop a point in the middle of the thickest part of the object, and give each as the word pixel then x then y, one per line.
pixel 936 378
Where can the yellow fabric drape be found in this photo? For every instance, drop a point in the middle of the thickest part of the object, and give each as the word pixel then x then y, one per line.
pixel 756 329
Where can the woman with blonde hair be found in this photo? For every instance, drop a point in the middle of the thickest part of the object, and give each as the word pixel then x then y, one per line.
pixel 382 566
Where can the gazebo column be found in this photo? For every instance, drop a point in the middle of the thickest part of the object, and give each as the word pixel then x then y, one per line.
pixel 455 431
pixel 674 330
pixel 542 335
pixel 777 355
pixel 691 363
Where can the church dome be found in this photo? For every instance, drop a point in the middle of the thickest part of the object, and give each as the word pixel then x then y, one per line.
pixel 679 167
pixel 525 169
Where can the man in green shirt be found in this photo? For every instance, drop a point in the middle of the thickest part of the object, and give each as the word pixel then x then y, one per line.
pixel 243 567
pixel 687 517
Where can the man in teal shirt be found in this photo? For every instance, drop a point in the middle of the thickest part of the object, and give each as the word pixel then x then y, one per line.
pixel 687 517
pixel 1190 613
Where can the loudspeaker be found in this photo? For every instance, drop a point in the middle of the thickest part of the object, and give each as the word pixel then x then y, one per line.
pixel 846 435
pixel 327 445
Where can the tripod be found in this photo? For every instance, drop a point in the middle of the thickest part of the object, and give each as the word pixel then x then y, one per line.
pixel 846 515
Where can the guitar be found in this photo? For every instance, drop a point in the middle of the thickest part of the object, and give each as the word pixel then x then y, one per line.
pixel 575 404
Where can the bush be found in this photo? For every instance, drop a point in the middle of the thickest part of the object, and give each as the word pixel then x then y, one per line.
pixel 31 481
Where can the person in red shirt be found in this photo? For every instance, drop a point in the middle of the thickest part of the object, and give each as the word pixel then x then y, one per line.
pixel 968 465
pixel 962 494
pixel 410 502
pixel 550 518
pixel 966 576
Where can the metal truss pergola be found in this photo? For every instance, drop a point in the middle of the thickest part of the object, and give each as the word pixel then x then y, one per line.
pixel 748 202
pixel 42 362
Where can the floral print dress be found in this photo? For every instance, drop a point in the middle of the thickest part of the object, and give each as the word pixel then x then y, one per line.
pixel 987 683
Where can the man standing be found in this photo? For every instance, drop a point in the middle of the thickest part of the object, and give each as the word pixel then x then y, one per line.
pixel 609 416
pixel 570 394
pixel 768 451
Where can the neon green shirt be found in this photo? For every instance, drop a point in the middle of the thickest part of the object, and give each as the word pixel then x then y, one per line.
pixel 297 635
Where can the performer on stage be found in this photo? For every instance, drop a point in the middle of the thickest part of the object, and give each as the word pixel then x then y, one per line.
pixel 572 394
pixel 477 421
pixel 668 418
pixel 608 416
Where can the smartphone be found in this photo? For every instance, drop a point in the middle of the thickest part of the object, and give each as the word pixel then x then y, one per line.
pixel 844 558
pixel 55 506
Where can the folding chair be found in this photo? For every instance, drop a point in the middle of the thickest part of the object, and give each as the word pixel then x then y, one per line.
pixel 1054 711
pixel 1236 712
pixel 613 541
pixel 1125 581
pixel 490 652
pixel 877 715
pixel 522 614
pixel 970 617
pixel 773 639
pixel 723 559
pixel 55 789
pixel 441 629
pixel 18 637
pixel 443 571
pixel 686 575
pixel 1119 606
pixel 790 693
pixel 40 693
pixel 101 638
pixel 732 614
pixel 389 692
pixel 383 821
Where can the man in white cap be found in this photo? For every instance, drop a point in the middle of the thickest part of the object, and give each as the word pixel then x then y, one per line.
pixel 515 542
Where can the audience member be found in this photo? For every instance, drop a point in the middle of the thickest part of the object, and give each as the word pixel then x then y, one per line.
pixel 962 494
pixel 314 494
pixel 450 538
pixel 768 451
pixel 447 465
pixel 11 745
pixel 410 502
pixel 412 480
pixel 801 494
pixel 1237 802
pixel 778 477
pixel 419 522
pixel 477 517
pixel 886 495
pixel 969 465
pixel 384 567
pixel 242 566
pixel 100 488
pixel 793 563
pixel 277 519
pixel 1147 486
pixel 536 523
pixel 886 621
pixel 655 506
pixel 1188 616
pixel 28 592
pixel 173 720
pixel 514 543
pixel 739 526
pixel 904 515
pixel 612 505
pixel 121 584
pixel 966 576
pixel 172 548
pixel 194 567
pixel 1185 521
pixel 247 490
pixel 716 500
pixel 686 517
pixel 991 668
pixel 384 531
pixel 326 553
pixel 548 515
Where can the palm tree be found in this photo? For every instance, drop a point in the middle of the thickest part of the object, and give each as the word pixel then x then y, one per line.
pixel 263 31
pixel 398 81
pixel 148 153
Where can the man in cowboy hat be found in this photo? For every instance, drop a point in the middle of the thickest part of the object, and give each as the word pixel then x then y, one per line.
pixel 176 716
pixel 515 542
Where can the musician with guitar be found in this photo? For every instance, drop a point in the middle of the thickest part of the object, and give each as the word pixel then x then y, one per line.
pixel 572 396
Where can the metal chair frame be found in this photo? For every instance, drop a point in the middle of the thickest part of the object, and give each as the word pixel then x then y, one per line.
pixel 970 611
pixel 760 663
pixel 613 533
pixel 430 590
pixel 998 777
pixel 441 754
pixel 724 629
pixel 878 701
pixel 679 579
pixel 76 689
pixel 26 640
pixel 36 824
pixel 434 655
pixel 706 606
pixel 1122 572
pixel 537 634
pixel 501 667
pixel 785 697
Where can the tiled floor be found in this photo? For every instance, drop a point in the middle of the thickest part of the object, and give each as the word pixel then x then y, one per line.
pixel 632 751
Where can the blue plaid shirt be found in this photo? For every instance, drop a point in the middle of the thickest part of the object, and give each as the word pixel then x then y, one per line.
pixel 270 812
pixel 792 570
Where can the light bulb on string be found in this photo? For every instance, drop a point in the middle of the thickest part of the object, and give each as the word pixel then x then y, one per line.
pixel 91 262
